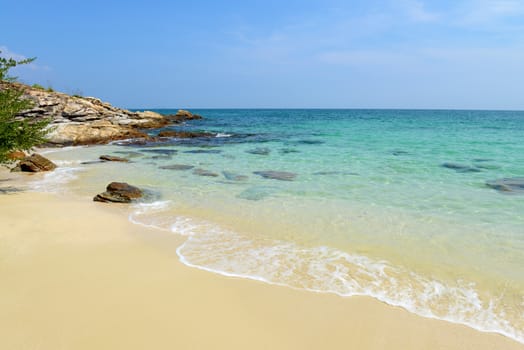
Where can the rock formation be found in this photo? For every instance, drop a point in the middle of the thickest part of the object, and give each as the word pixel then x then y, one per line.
pixel 87 120
pixel 119 192
pixel 34 163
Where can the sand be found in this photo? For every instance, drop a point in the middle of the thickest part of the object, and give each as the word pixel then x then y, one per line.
pixel 76 274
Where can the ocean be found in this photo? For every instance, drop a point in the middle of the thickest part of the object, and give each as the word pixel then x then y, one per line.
pixel 392 204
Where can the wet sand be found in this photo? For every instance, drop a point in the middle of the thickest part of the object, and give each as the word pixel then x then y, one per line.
pixel 78 275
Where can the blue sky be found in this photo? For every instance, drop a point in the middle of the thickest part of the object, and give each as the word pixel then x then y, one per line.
pixel 274 54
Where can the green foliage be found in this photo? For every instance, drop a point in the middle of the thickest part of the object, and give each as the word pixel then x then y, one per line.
pixel 38 86
pixel 16 133
pixel 50 89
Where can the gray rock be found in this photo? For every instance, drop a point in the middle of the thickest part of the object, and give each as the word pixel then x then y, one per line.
pixel 276 175
pixel 257 193
pixel 461 168
pixel 119 192
pixel 177 167
pixel 109 158
pixel 514 185
pixel 204 172
pixel 262 151
pixel 231 176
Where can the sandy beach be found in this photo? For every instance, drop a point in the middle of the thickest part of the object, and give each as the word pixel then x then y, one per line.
pixel 78 275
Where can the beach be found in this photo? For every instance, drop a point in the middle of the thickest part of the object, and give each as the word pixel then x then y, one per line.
pixel 78 275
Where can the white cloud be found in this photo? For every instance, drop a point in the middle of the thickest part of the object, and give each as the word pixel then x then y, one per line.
pixel 490 11
pixel 416 11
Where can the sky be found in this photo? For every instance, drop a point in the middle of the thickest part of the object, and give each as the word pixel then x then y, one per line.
pixel 462 54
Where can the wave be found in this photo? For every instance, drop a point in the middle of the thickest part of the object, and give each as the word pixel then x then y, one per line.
pixel 324 269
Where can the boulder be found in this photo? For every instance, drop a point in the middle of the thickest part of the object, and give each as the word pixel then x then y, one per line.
pixel 16 155
pixel 513 185
pixel 113 158
pixel 276 175
pixel 34 163
pixel 119 192
pixel 183 115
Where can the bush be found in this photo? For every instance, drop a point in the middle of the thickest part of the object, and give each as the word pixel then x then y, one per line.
pixel 16 134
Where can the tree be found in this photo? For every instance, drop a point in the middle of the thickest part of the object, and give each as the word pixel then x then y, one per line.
pixel 16 134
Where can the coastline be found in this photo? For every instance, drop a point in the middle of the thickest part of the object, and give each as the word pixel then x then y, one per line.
pixel 80 275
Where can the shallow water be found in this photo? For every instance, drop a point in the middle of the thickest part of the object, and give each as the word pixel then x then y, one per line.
pixel 391 204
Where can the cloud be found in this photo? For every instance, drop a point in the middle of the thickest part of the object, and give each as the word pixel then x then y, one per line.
pixel 416 11
pixel 483 12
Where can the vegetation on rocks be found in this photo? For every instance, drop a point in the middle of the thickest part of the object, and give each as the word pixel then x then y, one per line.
pixel 16 134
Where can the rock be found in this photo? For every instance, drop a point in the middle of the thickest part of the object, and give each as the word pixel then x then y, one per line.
pixel 185 134
pixel 262 151
pixel 231 176
pixel 203 151
pixel 130 154
pixel 514 185
pixel 119 192
pixel 461 168
pixel 257 193
pixel 16 155
pixel 113 158
pixel 86 120
pixel 34 163
pixel 183 115
pixel 310 142
pixel 288 150
pixel 276 175
pixel 166 151
pixel 177 167
pixel 204 172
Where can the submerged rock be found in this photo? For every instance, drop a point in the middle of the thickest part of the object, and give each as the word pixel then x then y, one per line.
pixel 204 172
pixel 262 151
pixel 119 192
pixel 164 151
pixel 461 168
pixel 310 142
pixel 276 175
pixel 231 176
pixel 109 158
pixel 204 151
pixel 130 154
pixel 185 134
pixel 34 163
pixel 514 185
pixel 177 167
pixel 257 193
pixel 288 150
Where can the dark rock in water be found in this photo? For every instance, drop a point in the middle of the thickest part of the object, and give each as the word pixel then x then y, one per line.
pixel 487 166
pixel 161 151
pixel 177 167
pixel 288 150
pixel 461 168
pixel 263 151
pixel 514 185
pixel 276 175
pixel 334 173
pixel 234 176
pixel 161 157
pixel 113 158
pixel 209 151
pixel 204 172
pixel 119 192
pixel 92 162
pixel 130 154
pixel 310 142
pixel 257 193
pixel 479 160
pixel 183 115
pixel 399 153
pixel 34 163
pixel 185 134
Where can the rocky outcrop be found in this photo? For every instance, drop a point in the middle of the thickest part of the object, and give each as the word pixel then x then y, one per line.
pixel 119 192
pixel 183 115
pixel 85 120
pixel 34 163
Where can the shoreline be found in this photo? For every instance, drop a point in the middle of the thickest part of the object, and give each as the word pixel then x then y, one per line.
pixel 135 271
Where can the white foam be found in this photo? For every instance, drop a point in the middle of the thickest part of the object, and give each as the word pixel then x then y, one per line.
pixel 328 270
pixel 223 135
pixel 55 180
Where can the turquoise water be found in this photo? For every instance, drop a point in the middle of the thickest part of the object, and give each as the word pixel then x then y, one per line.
pixel 371 208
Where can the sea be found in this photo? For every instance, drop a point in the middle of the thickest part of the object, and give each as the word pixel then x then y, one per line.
pixel 398 205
